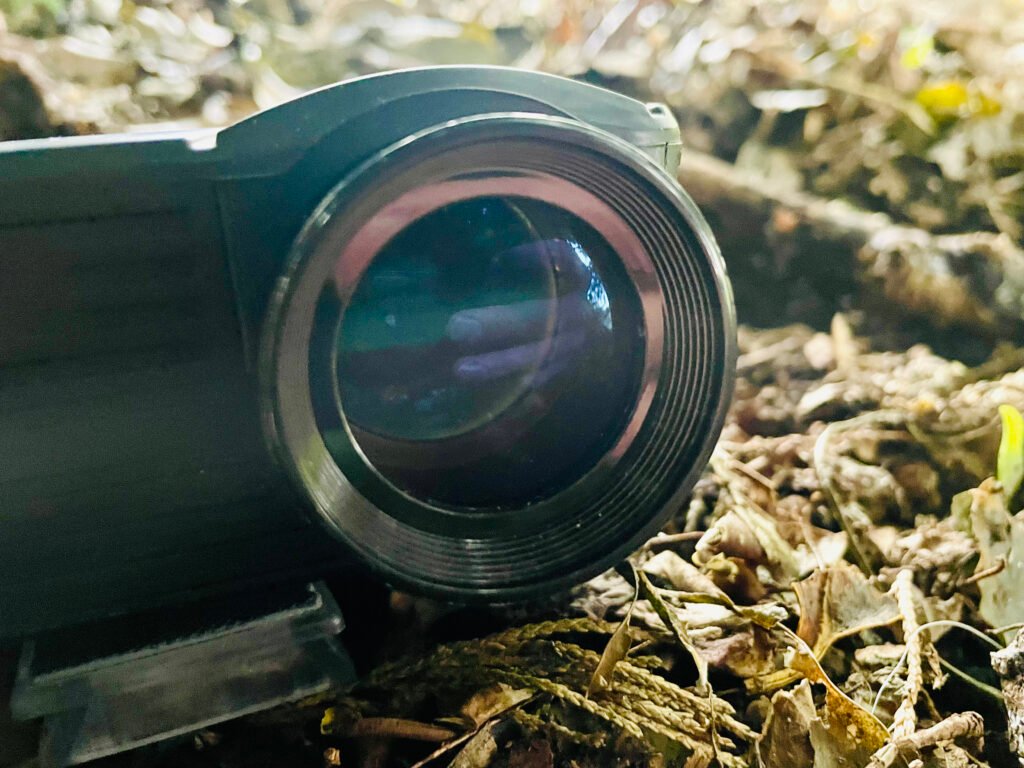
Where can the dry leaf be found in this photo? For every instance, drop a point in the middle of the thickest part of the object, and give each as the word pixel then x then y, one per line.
pixel 614 652
pixel 479 750
pixel 845 733
pixel 486 704
pixel 839 602
pixel 647 591
pixel 680 574
pixel 786 737
pixel 999 536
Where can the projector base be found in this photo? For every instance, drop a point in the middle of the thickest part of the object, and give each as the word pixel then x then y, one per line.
pixel 113 686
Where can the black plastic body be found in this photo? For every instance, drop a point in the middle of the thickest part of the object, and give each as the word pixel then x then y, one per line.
pixel 135 272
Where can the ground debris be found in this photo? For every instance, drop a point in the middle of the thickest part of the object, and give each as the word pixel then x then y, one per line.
pixel 1009 664
pixel 863 172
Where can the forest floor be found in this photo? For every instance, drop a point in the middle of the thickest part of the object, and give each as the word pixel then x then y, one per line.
pixel 834 590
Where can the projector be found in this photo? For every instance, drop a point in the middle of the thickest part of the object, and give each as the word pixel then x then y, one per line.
pixel 458 325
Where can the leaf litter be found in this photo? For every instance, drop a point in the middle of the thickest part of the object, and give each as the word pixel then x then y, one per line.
pixel 808 604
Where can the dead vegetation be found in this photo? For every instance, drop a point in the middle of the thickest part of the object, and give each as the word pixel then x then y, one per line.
pixel 833 591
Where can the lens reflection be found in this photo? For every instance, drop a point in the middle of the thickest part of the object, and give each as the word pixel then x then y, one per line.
pixel 490 354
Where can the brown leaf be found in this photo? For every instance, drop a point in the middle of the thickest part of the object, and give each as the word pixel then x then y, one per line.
pixel 534 754
pixel 479 750
pixel 786 738
pixel 746 653
pixel 680 574
pixel 732 537
pixel 614 652
pixel 736 578
pixel 484 705
pixel 999 537
pixel 677 628
pixel 838 602
pixel 845 733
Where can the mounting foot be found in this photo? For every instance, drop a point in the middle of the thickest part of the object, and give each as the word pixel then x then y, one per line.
pixel 115 685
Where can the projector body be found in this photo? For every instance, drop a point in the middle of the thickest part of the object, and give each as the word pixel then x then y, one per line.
pixel 138 461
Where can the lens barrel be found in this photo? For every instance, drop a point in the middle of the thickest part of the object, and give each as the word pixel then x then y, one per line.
pixel 500 355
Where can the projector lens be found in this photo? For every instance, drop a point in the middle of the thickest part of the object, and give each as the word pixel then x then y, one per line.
pixel 500 356
pixel 489 356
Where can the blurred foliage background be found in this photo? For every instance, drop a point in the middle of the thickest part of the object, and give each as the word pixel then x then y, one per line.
pixel 907 107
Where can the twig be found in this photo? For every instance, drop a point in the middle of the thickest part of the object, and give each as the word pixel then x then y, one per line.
pixel 905 719
pixel 398 728
pixel 664 541
pixel 1006 628
pixel 957 726
pixel 929 625
pixel 445 747
pixel 992 570
pixel 856 251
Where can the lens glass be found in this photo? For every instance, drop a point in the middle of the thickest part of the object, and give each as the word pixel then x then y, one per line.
pixel 489 356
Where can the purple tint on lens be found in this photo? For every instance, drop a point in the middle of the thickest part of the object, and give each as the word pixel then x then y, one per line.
pixel 491 350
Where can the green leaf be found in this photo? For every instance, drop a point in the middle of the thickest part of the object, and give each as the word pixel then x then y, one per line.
pixel 1010 464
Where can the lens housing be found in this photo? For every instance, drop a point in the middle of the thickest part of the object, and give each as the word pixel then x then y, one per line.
pixel 490 354
pixel 684 381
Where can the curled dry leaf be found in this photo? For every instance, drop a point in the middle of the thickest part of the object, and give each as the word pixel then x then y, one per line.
pixel 746 653
pixel 680 574
pixel 614 652
pixel 736 578
pixel 679 630
pixel 478 751
pixel 731 537
pixel 750 535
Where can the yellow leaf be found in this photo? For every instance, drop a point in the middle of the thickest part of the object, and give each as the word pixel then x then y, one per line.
pixel 477 33
pixel 946 98
pixel 1010 462
pixel 327 722
pixel 855 731
pixel 985 105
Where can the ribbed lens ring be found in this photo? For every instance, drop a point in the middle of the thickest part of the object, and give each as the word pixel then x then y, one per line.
pixel 693 342
pixel 590 526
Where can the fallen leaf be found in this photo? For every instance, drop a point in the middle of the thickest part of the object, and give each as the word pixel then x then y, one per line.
pixel 614 652
pixel 786 737
pixel 999 536
pixel 750 535
pixel 736 578
pixel 486 704
pixel 647 591
pixel 844 733
pixel 479 750
pixel 1010 462
pixel 838 602
pixel 679 573
pixel 746 653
